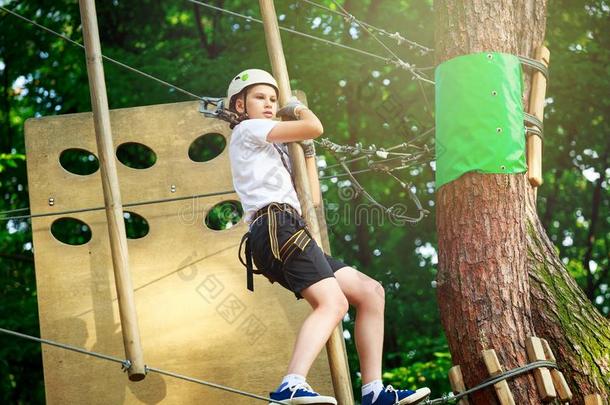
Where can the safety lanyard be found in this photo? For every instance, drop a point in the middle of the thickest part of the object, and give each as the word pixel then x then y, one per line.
pixel 283 153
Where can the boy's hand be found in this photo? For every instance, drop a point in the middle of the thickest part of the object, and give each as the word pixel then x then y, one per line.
pixel 291 110
pixel 309 148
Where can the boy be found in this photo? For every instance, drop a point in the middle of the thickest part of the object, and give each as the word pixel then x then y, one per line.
pixel 283 250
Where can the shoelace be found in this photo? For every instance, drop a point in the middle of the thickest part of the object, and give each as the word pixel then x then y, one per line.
pixel 389 388
pixel 304 386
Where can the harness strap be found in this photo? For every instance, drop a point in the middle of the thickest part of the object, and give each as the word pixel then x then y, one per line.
pixel 248 263
pixel 283 155
pixel 300 239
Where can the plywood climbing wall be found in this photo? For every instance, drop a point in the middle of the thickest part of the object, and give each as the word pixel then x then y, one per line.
pixel 195 314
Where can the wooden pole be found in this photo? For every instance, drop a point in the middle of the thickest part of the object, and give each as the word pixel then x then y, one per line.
pixel 457 383
pixel 536 108
pixel 594 399
pixel 112 195
pixel 505 397
pixel 335 348
pixel 544 381
pixel 561 386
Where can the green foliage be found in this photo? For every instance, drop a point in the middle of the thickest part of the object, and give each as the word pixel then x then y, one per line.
pixel 10 160
pixel 574 202
pixel 358 98
pixel 428 368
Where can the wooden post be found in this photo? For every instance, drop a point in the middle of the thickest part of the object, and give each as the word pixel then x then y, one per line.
pixel 563 389
pixel 312 170
pixel 335 348
pixel 457 383
pixel 594 399
pixel 112 195
pixel 505 397
pixel 536 108
pixel 544 382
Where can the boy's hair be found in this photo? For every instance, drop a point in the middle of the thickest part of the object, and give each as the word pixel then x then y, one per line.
pixel 239 117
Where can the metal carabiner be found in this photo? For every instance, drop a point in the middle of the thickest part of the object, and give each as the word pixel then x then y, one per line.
pixel 217 102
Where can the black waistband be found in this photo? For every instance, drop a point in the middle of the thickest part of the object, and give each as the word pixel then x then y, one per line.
pixel 277 206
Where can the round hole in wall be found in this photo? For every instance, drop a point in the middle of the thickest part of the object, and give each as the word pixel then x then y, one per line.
pixel 136 155
pixel 79 161
pixel 136 226
pixel 207 147
pixel 224 215
pixel 71 231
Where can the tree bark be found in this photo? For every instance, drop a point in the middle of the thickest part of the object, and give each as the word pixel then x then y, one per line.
pixel 500 279
pixel 482 285
pixel 578 334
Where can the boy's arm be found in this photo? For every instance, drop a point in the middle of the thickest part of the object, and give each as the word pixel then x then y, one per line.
pixel 307 127
pixel 304 126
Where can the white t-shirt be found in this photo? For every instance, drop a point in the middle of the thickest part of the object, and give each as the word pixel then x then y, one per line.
pixel 259 177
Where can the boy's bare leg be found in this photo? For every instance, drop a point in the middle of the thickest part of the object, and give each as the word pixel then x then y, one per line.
pixel 329 307
pixel 368 296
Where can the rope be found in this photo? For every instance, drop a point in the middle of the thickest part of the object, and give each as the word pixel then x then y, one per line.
pixel 334 149
pixel 50 214
pixel 491 381
pixel 126 364
pixel 529 131
pixel 400 145
pixel 396 60
pixel 326 41
pixel 15 210
pixel 533 120
pixel 536 127
pixel 399 38
pixel 379 168
pixel 536 65
pixel 116 62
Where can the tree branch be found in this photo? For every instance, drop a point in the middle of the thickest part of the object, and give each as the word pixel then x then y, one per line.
pixel 215 31
pixel 200 31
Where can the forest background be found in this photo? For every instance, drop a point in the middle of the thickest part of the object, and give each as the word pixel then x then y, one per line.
pixel 357 97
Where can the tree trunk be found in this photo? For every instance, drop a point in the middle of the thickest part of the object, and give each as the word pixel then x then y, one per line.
pixel 499 278
pixel 482 287
pixel 578 334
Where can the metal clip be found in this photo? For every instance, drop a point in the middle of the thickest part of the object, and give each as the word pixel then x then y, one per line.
pixel 218 103
pixel 125 365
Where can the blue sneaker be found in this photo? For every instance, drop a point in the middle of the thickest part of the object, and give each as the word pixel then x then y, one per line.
pixel 299 394
pixel 391 396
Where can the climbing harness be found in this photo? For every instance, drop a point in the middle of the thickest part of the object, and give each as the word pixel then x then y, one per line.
pixel 300 239
pixel 283 156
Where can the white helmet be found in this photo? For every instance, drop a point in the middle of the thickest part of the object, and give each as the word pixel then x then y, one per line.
pixel 247 78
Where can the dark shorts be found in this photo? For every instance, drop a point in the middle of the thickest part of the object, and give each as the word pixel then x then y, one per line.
pixel 303 268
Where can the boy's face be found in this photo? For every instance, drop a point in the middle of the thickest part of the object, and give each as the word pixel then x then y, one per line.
pixel 261 102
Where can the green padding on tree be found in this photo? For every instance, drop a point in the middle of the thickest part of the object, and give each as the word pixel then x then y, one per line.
pixel 479 116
